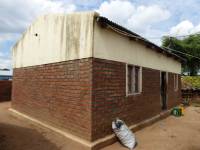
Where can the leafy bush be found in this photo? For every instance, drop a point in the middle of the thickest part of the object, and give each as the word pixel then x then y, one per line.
pixel 191 81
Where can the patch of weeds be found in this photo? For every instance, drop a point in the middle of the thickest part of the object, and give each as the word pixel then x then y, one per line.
pixel 196 104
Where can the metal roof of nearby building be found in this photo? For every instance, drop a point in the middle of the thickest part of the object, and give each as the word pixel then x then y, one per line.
pixel 5 73
pixel 105 22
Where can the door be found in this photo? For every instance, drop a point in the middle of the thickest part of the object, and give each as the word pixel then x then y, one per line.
pixel 163 90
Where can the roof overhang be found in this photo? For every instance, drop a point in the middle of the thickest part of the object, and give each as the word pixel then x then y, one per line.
pixel 106 23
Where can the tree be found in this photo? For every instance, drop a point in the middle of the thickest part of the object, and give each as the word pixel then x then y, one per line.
pixel 189 45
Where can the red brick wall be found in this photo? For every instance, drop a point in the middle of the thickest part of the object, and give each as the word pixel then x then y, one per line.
pixel 84 96
pixel 172 94
pixel 110 101
pixel 58 94
pixel 5 90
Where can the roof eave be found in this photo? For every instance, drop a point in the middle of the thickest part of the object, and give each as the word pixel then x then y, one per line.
pixel 104 22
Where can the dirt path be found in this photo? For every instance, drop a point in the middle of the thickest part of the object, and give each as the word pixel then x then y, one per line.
pixel 19 134
pixel 172 133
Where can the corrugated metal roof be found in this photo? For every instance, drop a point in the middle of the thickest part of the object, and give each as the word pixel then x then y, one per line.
pixel 6 73
pixel 105 22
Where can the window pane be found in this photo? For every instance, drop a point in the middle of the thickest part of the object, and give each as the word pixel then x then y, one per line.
pixel 176 82
pixel 130 79
pixel 137 79
pixel 133 79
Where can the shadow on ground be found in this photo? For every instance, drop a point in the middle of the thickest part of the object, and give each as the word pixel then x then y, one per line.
pixel 20 138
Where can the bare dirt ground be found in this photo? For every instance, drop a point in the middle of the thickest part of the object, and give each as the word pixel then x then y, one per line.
pixel 21 134
pixel 171 133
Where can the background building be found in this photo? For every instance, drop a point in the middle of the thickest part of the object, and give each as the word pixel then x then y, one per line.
pixel 5 74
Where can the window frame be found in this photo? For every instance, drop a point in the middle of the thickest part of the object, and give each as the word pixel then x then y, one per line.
pixel 133 82
pixel 176 82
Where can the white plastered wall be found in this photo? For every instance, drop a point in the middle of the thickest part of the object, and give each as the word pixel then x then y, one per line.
pixel 76 36
pixel 113 46
pixel 59 38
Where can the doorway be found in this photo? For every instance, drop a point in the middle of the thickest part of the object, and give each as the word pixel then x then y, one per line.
pixel 163 90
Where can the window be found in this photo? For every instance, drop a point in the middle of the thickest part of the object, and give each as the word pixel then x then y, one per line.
pixel 176 82
pixel 133 79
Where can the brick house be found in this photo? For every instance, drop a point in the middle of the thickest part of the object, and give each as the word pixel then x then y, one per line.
pixel 77 72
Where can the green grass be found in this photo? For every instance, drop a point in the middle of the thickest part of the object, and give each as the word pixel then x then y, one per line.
pixel 191 81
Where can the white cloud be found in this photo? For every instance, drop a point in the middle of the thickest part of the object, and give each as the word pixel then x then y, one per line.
pixel 5 59
pixel 138 18
pixel 196 29
pixel 8 37
pixel 1 54
pixel 5 63
pixel 118 11
pixel 17 15
pixel 145 17
pixel 184 28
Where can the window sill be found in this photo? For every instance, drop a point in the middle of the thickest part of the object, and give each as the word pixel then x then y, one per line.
pixel 133 94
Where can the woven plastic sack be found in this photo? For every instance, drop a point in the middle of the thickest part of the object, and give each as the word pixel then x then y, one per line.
pixel 124 134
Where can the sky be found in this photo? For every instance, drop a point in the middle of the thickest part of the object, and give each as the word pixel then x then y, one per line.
pixel 151 19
